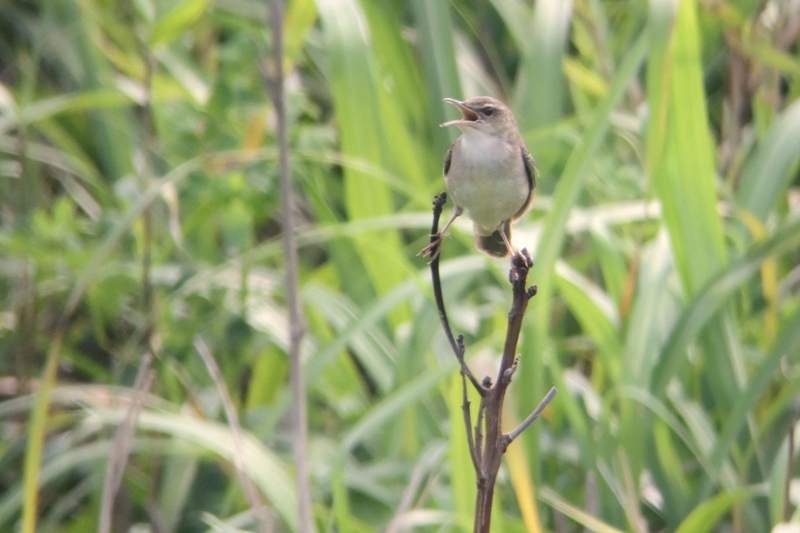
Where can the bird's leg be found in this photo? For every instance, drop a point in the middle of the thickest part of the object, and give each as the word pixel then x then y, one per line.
pixel 435 246
pixel 456 213
pixel 505 240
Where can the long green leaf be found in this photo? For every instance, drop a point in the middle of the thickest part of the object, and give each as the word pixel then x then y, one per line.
pixel 706 515
pixel 787 345
pixel 554 500
pixel 552 240
pixel 104 98
pixel 539 94
pixel 264 467
pixel 682 169
pixel 654 306
pixel 682 164
pixel 373 350
pixel 766 175
pixel 391 405
pixel 179 19
pixel 353 76
pixel 711 299
pixel 109 129
pixel 404 113
pixel 36 431
pixel 595 311
pixel 439 66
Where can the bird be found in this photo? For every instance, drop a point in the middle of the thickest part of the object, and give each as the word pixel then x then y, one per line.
pixel 489 174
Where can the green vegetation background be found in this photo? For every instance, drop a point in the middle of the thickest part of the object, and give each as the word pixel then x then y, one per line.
pixel 140 214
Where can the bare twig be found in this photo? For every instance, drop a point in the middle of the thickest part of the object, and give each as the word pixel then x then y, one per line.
pixel 458 347
pixel 149 143
pixel 531 417
pixel 787 502
pixel 416 485
pixel 473 450
pixel 296 321
pixel 123 438
pixel 488 443
pixel 157 522
pixel 121 445
pixel 494 438
pixel 479 433
pixel 249 489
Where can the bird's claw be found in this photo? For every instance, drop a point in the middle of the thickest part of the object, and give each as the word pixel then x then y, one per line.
pixel 520 261
pixel 433 248
pixel 522 258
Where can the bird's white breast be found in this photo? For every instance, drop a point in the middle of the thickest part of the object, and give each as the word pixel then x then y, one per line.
pixel 487 178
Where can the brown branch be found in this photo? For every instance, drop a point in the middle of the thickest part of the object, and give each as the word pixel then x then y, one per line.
pixel 458 347
pixel 479 433
pixel 297 324
pixel 787 483
pixel 148 140
pixel 509 438
pixel 488 443
pixel 473 450
pixel 237 435
pixel 122 444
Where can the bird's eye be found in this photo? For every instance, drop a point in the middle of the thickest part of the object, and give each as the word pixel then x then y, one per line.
pixel 488 110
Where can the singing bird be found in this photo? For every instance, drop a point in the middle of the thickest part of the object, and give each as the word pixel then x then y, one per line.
pixel 489 174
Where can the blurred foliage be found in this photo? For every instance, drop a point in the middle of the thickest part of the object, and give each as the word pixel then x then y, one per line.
pixel 140 209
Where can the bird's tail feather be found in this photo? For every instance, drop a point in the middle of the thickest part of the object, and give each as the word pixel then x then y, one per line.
pixel 493 244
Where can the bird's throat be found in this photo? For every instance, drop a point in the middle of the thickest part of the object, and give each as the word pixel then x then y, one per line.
pixel 480 149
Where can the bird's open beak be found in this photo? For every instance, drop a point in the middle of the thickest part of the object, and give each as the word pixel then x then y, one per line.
pixel 468 116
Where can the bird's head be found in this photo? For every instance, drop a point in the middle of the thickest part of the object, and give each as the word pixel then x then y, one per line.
pixel 483 114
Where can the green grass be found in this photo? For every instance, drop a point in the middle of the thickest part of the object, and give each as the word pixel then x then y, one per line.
pixel 665 232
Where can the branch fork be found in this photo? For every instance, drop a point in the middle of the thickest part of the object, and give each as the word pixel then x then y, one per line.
pixel 487 443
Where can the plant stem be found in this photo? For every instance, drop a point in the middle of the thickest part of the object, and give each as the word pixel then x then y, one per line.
pixel 296 320
pixel 487 452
